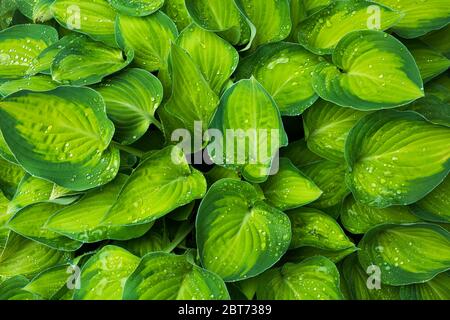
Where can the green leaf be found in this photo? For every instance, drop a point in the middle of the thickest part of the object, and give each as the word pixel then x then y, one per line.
pixel 224 17
pixel 13 289
pixel 271 18
pixel 163 276
pixel 131 98
pixel 29 191
pixel 302 253
pixel 372 70
pixel 22 256
pixel 313 228
pixel 61 135
pixel 43 62
pixel 299 154
pixel 437 288
pixel 7 10
pixel 289 188
pixel 420 17
pixel 30 221
pixel 330 178
pixel 257 126
pixel 436 205
pixel 435 106
pixel 94 18
pixel 359 218
pixel 430 62
pixel 149 37
pixel 98 61
pixel 177 11
pixel 284 69
pixel 298 14
pixel 327 127
pixel 216 58
pixel 395 158
pixel 161 183
pixel 360 285
pixel 36 10
pixel 90 210
pixel 39 83
pixel 10 177
pixel 321 32
pixel 316 278
pixel 406 254
pixel 26 42
pixel 238 235
pixel 192 98
pixel 104 274
pixel 137 7
pixel 49 282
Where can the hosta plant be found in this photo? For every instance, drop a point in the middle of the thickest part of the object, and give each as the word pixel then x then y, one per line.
pixel 232 149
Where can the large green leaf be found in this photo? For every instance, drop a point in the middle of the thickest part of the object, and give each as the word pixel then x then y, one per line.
pixel 321 32
pixel 104 274
pixel 238 235
pixel 406 254
pixel 430 62
pixel 435 106
pixel 30 190
pixel 216 58
pixel 420 17
pixel 131 98
pixel 39 83
pixel 284 69
pixel 61 135
pixel 20 45
pixel 163 276
pixel 95 18
pixel 90 210
pixel 13 289
pixel 43 62
pixel 192 98
pixel 437 288
pixel 251 136
pixel 289 188
pixel 313 228
pixel 359 218
pixel 330 178
pixel 149 37
pixel 359 284
pixel 177 11
pixel 372 70
pixel 436 205
pixel 98 61
pixel 22 256
pixel 161 183
pixel 316 278
pixel 30 222
pixel 327 127
pixel 224 17
pixel 396 158
pixel 136 7
pixel 271 18
pixel 10 177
